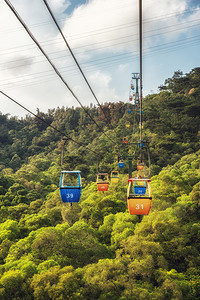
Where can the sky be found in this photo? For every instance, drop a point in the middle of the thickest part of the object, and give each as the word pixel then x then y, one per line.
pixel 104 37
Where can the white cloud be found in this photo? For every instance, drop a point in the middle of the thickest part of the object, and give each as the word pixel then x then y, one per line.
pixel 95 24
pixel 112 25
pixel 95 30
pixel 20 64
pixel 59 6
pixel 102 83
pixel 122 67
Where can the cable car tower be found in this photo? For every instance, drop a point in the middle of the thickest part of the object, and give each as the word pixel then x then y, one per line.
pixel 136 76
pixel 139 190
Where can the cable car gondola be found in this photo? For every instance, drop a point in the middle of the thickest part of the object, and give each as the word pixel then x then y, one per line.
pixel 70 186
pixel 138 202
pixel 102 182
pixel 125 140
pixel 140 125
pixel 140 187
pixel 140 144
pixel 121 164
pixel 140 165
pixel 114 177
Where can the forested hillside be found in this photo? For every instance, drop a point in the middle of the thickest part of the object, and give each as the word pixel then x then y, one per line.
pixel 94 249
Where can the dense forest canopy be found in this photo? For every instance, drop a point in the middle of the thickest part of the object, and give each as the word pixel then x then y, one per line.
pixel 94 249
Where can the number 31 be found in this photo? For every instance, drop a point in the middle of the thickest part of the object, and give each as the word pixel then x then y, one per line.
pixel 138 206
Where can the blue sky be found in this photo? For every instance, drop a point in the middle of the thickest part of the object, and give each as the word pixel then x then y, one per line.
pixel 74 4
pixel 103 35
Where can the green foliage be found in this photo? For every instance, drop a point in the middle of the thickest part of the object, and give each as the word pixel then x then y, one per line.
pixel 11 283
pixel 57 283
pixel 172 119
pixel 35 221
pixel 117 227
pixel 180 83
pixel 193 278
pixel 9 230
pixel 94 249
pixel 98 205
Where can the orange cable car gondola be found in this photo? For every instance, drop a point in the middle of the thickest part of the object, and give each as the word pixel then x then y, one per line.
pixel 125 140
pixel 102 182
pixel 140 166
pixel 114 177
pixel 139 202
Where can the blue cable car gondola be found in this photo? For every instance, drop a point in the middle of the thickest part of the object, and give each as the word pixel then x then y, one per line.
pixel 141 144
pixel 121 164
pixel 140 188
pixel 70 186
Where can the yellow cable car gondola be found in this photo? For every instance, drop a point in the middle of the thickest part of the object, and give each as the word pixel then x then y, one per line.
pixel 141 125
pixel 114 177
pixel 128 124
pixel 102 182
pixel 139 196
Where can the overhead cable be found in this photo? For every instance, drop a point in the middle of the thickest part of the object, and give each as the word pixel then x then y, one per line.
pixel 113 45
pixel 130 24
pixel 58 41
pixel 72 54
pixel 140 47
pixel 47 123
pixel 125 58
pixel 53 66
